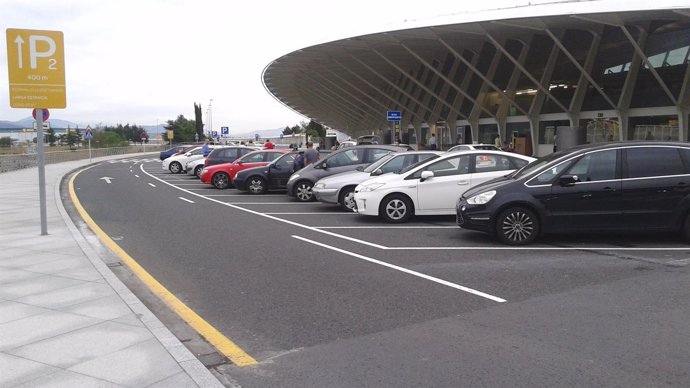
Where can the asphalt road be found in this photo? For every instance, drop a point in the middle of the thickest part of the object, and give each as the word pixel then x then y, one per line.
pixel 323 298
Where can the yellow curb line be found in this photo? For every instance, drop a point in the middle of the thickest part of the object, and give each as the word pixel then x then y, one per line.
pixel 224 345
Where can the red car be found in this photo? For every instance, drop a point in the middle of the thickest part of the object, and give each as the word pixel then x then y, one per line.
pixel 221 175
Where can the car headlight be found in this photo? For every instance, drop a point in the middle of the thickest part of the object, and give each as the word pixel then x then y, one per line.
pixel 481 199
pixel 293 177
pixel 320 186
pixel 204 171
pixel 370 187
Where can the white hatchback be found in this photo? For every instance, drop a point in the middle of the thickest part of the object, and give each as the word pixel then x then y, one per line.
pixel 433 187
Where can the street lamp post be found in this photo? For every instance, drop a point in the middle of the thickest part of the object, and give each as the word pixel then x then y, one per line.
pixel 210 117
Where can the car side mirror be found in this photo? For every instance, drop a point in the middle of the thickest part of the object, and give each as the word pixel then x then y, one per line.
pixel 568 180
pixel 376 172
pixel 360 168
pixel 426 175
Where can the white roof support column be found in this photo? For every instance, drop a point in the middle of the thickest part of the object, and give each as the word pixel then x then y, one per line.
pixel 481 96
pixel 579 67
pixel 581 90
pixel 650 67
pixel 383 78
pixel 633 72
pixel 542 87
pixel 386 95
pixel 428 66
pixel 512 85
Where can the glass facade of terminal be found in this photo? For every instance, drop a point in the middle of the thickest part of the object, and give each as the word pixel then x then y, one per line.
pixel 609 77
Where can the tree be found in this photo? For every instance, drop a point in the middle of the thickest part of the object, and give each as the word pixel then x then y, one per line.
pixel 5 141
pixel 50 137
pixel 314 129
pixel 72 138
pixel 198 123
pixel 182 128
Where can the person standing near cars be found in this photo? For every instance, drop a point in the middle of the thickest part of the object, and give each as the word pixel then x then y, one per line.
pixel 310 155
pixel 205 148
pixel 432 142
pixel 268 145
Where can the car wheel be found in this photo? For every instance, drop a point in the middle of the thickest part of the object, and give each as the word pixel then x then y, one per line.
pixel 221 180
pixel 256 185
pixel 347 199
pixel 197 170
pixel 395 208
pixel 303 191
pixel 517 226
pixel 175 167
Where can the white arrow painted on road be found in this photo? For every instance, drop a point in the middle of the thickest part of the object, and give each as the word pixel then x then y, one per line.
pixel 107 179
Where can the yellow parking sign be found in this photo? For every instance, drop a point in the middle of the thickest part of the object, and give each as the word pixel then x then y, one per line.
pixel 36 65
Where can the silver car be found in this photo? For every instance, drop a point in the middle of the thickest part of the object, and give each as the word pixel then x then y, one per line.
pixel 339 188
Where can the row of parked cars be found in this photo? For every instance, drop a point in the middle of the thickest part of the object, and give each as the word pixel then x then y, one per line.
pixel 614 186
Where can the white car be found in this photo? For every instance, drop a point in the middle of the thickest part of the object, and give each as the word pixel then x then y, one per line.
pixel 340 188
pixel 195 166
pixel 433 187
pixel 177 164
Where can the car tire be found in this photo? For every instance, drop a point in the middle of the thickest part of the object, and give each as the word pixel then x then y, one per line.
pixel 175 167
pixel 396 208
pixel 517 226
pixel 303 191
pixel 256 185
pixel 220 180
pixel 197 170
pixel 346 199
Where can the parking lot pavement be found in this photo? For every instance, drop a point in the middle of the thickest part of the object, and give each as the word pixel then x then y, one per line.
pixel 65 318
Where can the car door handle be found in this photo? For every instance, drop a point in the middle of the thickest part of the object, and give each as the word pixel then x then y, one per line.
pixel 608 189
pixel 462 183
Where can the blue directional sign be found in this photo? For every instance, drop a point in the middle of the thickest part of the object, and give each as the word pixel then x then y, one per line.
pixel 224 131
pixel 394 115
pixel 88 134
pixel 214 134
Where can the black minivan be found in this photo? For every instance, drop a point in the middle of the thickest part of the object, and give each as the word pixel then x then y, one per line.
pixel 622 186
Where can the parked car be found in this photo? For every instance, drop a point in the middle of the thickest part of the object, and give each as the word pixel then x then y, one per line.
pixel 221 175
pixel 177 163
pixel 347 159
pixel 468 147
pixel 619 187
pixel 274 176
pixel 227 154
pixel 194 167
pixel 340 188
pixel 175 150
pixel 432 187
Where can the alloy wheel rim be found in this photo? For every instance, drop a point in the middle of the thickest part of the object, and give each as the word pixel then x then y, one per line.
pixel 517 226
pixel 304 192
pixel 349 200
pixel 396 209
pixel 256 186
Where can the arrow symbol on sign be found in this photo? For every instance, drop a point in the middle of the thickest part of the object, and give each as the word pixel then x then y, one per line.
pixel 107 179
pixel 19 41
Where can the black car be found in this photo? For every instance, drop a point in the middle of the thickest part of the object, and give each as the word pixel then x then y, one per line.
pixel 622 186
pixel 174 150
pixel 227 154
pixel 258 180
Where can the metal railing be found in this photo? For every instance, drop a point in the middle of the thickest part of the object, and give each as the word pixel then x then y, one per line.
pixel 27 160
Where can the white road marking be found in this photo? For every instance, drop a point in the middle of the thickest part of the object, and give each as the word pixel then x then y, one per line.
pixel 388 226
pixel 151 184
pixel 186 200
pixel 269 203
pixel 136 175
pixel 373 245
pixel 306 213
pixel 407 271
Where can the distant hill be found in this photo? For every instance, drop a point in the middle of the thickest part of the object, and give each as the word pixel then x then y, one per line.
pixel 9 125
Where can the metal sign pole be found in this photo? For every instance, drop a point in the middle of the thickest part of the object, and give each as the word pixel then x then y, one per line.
pixel 89 149
pixel 41 172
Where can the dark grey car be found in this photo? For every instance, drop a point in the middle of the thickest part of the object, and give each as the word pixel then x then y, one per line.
pixel 347 159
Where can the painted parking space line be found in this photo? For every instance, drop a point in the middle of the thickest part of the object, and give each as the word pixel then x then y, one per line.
pixel 151 184
pixel 405 270
pixel 186 200
pixel 304 213
pixel 389 226
pixel 412 248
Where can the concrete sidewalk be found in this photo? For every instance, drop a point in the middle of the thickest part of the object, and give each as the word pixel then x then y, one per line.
pixel 65 319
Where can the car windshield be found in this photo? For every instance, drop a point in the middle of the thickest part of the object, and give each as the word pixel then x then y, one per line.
pixel 372 167
pixel 536 165
pixel 412 166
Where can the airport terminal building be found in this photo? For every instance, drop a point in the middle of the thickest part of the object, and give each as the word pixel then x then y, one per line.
pixel 589 71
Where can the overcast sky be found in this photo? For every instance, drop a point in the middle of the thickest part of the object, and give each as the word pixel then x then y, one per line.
pixel 146 61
